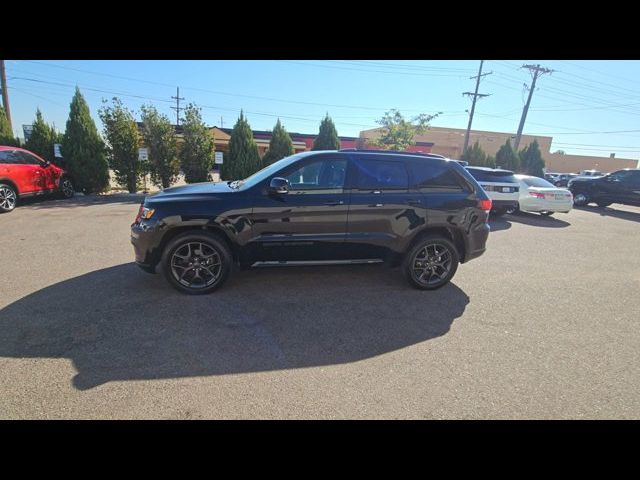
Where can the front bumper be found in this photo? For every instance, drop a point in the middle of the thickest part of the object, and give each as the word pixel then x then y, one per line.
pixel 146 242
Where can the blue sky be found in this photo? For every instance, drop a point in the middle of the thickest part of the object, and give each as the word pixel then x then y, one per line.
pixel 588 107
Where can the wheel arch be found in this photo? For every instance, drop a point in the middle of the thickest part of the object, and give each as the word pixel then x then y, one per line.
pixel 8 181
pixel 452 234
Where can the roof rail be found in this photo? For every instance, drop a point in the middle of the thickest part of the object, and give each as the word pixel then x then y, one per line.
pixel 395 152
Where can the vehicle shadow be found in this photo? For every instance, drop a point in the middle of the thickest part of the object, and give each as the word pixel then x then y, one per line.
pixel 537 220
pixel 120 323
pixel 612 212
pixel 499 223
pixel 40 202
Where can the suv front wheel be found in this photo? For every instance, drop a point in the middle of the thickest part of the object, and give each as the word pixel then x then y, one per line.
pixel 197 262
pixel 431 263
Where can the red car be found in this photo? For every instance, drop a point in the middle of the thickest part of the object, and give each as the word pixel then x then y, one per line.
pixel 24 174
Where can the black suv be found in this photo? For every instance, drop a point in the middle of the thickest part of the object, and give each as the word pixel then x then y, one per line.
pixel 420 210
pixel 622 186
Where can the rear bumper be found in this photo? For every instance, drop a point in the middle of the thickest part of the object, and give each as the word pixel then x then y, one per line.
pixel 539 205
pixel 501 204
pixel 476 243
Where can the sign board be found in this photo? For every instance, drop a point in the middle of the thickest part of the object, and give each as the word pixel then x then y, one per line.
pixel 218 157
pixel 143 154
pixel 56 150
pixel 27 129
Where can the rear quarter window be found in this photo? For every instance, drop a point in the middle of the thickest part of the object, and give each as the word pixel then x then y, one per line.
pixel 434 176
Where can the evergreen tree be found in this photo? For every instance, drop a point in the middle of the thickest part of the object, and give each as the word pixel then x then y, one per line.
pixel 196 154
pixel 42 138
pixel 280 145
pixel 327 138
pixel 121 134
pixel 491 161
pixel 159 137
pixel 243 158
pixel 6 135
pixel 83 149
pixel 531 161
pixel 507 158
pixel 475 156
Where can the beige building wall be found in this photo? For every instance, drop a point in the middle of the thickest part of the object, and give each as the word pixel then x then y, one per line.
pixel 449 142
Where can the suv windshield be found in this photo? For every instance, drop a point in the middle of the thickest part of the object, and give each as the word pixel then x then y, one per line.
pixel 502 176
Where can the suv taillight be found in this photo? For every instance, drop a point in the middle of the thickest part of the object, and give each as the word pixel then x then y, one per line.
pixel 485 204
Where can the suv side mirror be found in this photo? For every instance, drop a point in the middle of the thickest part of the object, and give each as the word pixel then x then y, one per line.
pixel 46 164
pixel 279 186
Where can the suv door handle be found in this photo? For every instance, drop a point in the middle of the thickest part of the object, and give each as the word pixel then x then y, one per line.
pixel 334 202
pixel 414 202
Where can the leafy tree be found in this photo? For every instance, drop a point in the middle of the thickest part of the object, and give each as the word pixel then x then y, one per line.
pixel 196 154
pixel 531 160
pixel 121 133
pixel 243 158
pixel 507 158
pixel 475 155
pixel 398 133
pixel 559 152
pixel 83 149
pixel 159 137
pixel 491 161
pixel 42 138
pixel 280 145
pixel 327 138
pixel 6 135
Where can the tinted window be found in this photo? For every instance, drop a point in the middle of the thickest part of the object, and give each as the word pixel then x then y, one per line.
pixel 537 182
pixel 622 176
pixel 27 158
pixel 9 156
pixel 432 175
pixel 321 174
pixel 502 176
pixel 372 174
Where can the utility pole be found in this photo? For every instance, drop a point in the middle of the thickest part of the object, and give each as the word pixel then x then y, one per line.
pixel 5 93
pixel 221 122
pixel 536 71
pixel 177 98
pixel 475 96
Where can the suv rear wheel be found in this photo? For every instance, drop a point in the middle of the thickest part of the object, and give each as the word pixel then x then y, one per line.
pixel 581 199
pixel 66 187
pixel 431 263
pixel 8 198
pixel 197 262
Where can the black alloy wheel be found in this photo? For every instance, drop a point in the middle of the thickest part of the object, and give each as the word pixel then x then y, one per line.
pixel 431 263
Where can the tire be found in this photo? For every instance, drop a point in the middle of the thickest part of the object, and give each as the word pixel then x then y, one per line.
pixel 511 210
pixel 581 199
pixel 558 184
pixel 66 188
pixel 603 204
pixel 197 262
pixel 547 214
pixel 433 248
pixel 8 198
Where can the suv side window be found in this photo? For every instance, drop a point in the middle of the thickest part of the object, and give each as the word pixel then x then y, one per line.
pixel 622 176
pixel 321 174
pixel 28 159
pixel 430 176
pixel 9 157
pixel 373 174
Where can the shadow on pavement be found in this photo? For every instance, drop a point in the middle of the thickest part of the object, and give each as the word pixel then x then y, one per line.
pixel 536 220
pixel 120 323
pixel 612 212
pixel 78 201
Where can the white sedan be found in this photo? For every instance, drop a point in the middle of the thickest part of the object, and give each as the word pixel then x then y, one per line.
pixel 538 195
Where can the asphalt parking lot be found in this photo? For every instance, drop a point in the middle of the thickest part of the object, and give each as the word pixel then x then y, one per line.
pixel 544 325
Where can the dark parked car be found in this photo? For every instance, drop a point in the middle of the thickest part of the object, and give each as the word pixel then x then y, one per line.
pixel 424 212
pixel 622 186
pixel 562 180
